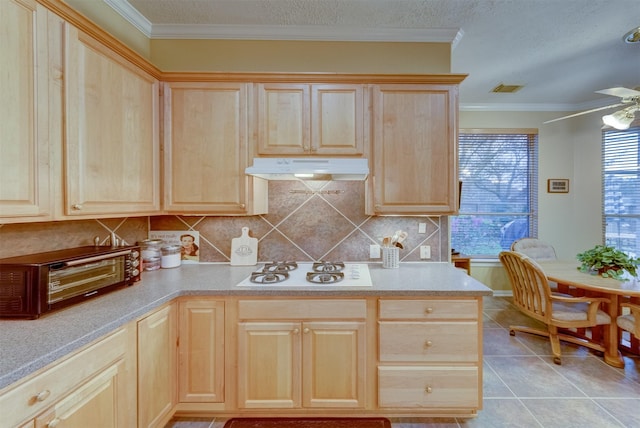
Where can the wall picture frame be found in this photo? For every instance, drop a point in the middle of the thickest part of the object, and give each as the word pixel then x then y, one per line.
pixel 558 185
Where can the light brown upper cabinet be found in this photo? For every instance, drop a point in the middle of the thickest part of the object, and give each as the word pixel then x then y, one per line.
pixel 112 149
pixel 206 142
pixel 311 119
pixel 415 142
pixel 24 137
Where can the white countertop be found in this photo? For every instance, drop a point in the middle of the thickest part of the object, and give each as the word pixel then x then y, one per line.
pixel 29 345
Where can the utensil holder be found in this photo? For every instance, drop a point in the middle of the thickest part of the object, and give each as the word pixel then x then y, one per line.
pixel 390 257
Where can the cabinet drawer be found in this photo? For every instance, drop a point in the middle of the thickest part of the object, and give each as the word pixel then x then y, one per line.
pixel 429 341
pixel 429 309
pixel 428 387
pixel 60 379
pixel 302 309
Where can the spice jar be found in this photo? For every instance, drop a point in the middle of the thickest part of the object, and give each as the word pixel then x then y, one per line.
pixel 151 254
pixel 170 256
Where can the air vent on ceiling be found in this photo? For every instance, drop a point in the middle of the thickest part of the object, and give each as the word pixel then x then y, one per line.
pixel 506 89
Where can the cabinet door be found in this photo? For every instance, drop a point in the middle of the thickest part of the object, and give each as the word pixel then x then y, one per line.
pixel 283 118
pixel 24 140
pixel 338 119
pixel 333 364
pixel 206 149
pixel 156 367
pixel 269 365
pixel 415 149
pixel 201 351
pixel 112 132
pixel 109 364
pixel 95 404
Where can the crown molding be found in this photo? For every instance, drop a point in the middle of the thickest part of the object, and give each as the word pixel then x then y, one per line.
pixel 533 106
pixel 131 14
pixel 282 32
pixel 304 33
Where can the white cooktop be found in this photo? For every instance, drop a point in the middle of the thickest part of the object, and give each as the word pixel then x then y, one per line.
pixel 355 275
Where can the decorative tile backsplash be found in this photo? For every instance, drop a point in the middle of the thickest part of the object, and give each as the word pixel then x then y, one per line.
pixel 313 220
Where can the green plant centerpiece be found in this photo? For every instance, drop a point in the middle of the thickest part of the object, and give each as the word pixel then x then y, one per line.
pixel 608 262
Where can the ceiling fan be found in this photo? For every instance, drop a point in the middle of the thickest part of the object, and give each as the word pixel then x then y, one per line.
pixel 622 118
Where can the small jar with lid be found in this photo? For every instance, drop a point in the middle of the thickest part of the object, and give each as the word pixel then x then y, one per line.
pixel 170 256
pixel 151 253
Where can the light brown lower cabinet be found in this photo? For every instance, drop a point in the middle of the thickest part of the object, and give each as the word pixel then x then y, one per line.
pixel 94 387
pixel 201 347
pixel 295 354
pixel 430 355
pixel 157 367
pixel 235 356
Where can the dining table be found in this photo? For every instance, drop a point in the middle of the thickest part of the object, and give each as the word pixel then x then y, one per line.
pixel 567 274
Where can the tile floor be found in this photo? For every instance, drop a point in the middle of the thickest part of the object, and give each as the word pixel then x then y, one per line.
pixel 523 388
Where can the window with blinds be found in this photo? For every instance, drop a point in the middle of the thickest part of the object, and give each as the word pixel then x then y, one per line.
pixel 621 189
pixel 499 175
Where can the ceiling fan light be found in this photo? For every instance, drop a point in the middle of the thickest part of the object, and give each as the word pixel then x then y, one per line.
pixel 620 120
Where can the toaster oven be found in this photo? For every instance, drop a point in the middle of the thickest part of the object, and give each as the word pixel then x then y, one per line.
pixel 35 284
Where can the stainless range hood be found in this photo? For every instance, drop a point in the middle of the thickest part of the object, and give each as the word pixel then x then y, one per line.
pixel 309 169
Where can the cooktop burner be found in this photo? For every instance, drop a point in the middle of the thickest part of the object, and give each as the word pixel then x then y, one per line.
pixel 280 266
pixel 327 277
pixel 308 273
pixel 328 267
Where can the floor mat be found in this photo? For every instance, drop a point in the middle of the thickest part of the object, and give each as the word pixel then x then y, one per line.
pixel 308 423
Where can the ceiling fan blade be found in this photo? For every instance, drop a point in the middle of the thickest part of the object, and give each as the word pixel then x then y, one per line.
pixel 585 112
pixel 620 91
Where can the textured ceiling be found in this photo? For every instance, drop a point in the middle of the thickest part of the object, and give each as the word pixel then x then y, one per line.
pixel 560 50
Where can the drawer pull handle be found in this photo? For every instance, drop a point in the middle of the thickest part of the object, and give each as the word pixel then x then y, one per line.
pixel 76 207
pixel 54 423
pixel 43 395
pixel 428 390
pixel 428 343
pixel 428 310
pixel 306 330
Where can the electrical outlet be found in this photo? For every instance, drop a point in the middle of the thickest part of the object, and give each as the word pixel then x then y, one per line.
pixel 425 251
pixel 374 251
pixel 422 227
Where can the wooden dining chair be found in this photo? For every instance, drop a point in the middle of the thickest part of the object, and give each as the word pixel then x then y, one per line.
pixel 631 321
pixel 535 248
pixel 538 250
pixel 533 297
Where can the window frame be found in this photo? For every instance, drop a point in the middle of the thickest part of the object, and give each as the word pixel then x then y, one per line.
pixel 618 138
pixel 532 135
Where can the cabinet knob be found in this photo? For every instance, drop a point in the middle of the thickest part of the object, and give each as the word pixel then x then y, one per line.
pixel 43 395
pixel 54 423
pixel 76 207
pixel 428 390
pixel 428 310
pixel 243 206
pixel 296 330
pixel 306 330
pixel 428 343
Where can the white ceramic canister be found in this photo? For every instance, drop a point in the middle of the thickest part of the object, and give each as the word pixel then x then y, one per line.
pixel 170 256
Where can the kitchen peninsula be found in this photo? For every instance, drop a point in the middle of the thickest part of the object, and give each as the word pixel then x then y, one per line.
pixel 409 345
